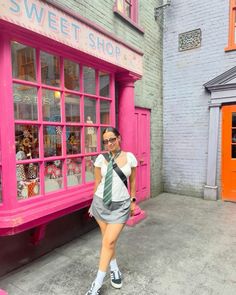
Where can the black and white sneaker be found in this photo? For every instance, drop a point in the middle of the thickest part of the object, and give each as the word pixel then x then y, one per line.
pixel 116 279
pixel 93 291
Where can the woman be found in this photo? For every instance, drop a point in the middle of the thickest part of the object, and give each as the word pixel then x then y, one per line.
pixel 112 204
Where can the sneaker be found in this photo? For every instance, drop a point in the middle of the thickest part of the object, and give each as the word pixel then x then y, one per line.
pixel 93 291
pixel 116 279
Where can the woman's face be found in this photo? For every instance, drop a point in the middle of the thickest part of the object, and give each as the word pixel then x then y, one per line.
pixel 111 142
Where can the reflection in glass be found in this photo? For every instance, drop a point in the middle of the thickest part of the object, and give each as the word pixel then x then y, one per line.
pixel 72 103
pixel 74 167
pixel 51 105
pixel 28 184
pixel 104 84
pixel 89 80
pixel 89 168
pixel 128 8
pixel 234 120
pixel 234 135
pixel 52 140
pixel 71 72
pixel 90 139
pixel 25 102
pixel 53 176
pixel 23 62
pixel 73 140
pixel 27 143
pixel 50 69
pixel 89 110
pixel 234 151
pixel 105 112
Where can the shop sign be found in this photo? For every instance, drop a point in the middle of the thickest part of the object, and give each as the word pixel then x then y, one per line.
pixel 51 22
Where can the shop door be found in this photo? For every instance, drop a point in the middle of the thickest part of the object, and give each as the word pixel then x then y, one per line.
pixel 142 152
pixel 229 153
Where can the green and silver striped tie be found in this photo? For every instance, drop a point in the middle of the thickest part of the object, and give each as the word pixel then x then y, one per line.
pixel 107 193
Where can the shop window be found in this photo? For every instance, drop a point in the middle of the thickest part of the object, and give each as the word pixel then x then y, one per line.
pixel 23 62
pixel 128 9
pixel 50 69
pixel 57 121
pixel 71 75
pixel 89 80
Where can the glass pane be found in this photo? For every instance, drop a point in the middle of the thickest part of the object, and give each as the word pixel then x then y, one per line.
pixel 52 140
pixel 27 142
pixel 89 80
pixel 50 69
pixel 120 5
pixel 27 180
pixel 71 73
pixel 72 108
pixel 234 151
pixel 25 102
pixel 74 167
pixel 104 84
pixel 127 8
pixel 53 176
pixel 234 135
pixel 234 120
pixel 23 62
pixel 90 139
pixel 89 168
pixel 73 140
pixel 51 105
pixel 105 112
pixel 89 110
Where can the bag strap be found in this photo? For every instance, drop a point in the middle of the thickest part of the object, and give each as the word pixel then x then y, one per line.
pixel 117 169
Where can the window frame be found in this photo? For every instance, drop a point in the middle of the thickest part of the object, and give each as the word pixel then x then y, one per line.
pixel 232 26
pixel 134 18
pixel 9 200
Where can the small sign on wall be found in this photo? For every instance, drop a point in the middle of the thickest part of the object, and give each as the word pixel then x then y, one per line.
pixel 190 40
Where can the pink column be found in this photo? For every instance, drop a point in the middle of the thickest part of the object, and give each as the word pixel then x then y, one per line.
pixel 126 110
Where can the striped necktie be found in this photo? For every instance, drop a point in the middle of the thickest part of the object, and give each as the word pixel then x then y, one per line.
pixel 107 194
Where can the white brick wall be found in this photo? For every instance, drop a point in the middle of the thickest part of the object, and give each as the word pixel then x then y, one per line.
pixel 185 104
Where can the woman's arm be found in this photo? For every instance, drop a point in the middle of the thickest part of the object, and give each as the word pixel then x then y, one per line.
pixel 98 177
pixel 132 182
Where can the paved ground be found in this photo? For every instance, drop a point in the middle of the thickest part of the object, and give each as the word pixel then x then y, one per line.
pixel 185 246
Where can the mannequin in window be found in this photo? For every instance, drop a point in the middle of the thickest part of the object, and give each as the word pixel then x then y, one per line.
pixel 91 136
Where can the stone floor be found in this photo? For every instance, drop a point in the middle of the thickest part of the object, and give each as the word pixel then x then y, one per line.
pixel 185 246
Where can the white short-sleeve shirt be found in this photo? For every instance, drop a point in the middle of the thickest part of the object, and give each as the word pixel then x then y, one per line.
pixel 119 190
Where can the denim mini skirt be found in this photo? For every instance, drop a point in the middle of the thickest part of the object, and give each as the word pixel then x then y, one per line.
pixel 116 212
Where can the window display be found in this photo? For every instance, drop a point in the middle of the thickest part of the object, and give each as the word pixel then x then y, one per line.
pixel 52 153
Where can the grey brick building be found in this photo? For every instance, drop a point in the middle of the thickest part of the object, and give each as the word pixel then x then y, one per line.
pixel 192 144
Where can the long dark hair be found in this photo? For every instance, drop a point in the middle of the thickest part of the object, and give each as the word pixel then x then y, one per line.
pixel 111 129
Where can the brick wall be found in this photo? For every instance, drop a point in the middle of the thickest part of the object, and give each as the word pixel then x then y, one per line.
pixel 148 91
pixel 185 104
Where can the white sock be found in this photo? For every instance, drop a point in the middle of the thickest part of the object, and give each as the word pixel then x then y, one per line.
pixel 113 265
pixel 99 278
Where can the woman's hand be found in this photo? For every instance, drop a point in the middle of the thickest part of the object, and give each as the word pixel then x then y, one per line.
pixel 132 208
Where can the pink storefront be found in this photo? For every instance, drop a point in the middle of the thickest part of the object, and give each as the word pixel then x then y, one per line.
pixel 58 79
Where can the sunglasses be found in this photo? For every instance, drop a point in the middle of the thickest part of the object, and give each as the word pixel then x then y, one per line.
pixel 111 140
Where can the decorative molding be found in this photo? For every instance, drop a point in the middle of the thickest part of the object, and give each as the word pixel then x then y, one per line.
pixel 221 82
pixel 190 40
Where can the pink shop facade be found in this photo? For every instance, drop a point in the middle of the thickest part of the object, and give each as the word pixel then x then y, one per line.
pixel 63 80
